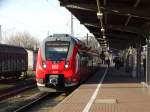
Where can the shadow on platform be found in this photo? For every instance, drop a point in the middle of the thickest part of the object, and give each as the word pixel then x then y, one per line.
pixel 114 76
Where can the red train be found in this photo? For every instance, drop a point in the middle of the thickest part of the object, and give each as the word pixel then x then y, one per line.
pixel 63 61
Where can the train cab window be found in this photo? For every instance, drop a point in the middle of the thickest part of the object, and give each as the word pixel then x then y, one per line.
pixel 57 51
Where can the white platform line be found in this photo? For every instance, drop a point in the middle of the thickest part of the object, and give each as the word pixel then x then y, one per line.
pixel 89 104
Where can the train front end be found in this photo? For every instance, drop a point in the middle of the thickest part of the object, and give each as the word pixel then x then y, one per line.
pixel 56 64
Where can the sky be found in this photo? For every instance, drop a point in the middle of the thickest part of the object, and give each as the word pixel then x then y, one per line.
pixel 37 17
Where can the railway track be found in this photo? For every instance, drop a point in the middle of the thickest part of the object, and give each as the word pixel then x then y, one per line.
pixel 31 101
pixel 28 105
pixel 44 103
pixel 6 93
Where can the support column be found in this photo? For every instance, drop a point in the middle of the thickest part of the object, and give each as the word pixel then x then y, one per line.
pixel 138 71
pixel 148 62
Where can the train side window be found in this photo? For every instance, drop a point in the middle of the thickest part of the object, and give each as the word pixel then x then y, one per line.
pixel 84 59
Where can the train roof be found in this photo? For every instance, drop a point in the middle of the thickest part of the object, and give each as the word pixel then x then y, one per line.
pixel 7 45
pixel 59 37
pixel 63 37
pixel 11 48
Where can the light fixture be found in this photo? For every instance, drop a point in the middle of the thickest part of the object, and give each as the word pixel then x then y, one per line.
pixel 102 29
pixel 99 15
pixel 100 39
pixel 104 37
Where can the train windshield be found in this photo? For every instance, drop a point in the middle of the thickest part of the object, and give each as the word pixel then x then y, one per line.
pixel 57 51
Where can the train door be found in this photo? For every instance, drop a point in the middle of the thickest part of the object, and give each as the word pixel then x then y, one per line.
pixel 78 66
pixel 84 64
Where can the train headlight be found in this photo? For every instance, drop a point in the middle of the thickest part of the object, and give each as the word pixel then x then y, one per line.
pixel 44 65
pixel 66 65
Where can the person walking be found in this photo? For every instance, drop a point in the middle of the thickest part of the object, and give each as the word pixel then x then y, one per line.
pixel 108 62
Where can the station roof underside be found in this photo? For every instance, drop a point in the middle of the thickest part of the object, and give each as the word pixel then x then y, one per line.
pixel 119 23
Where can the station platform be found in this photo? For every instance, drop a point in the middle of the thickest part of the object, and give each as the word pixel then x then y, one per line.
pixel 109 90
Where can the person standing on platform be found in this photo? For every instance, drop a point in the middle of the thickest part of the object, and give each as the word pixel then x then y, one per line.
pixel 108 62
pixel 117 63
pixel 102 56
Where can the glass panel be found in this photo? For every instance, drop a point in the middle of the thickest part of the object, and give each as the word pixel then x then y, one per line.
pixel 57 51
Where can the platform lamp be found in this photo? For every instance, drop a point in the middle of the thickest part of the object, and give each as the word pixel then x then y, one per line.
pixel 100 15
pixel 102 30
pixel 104 37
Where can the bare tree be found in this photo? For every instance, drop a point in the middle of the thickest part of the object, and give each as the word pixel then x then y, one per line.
pixel 22 39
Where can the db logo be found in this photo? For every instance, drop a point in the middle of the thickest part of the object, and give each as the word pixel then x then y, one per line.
pixel 54 66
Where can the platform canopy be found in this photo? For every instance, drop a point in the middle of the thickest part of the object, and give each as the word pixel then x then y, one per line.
pixel 117 23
